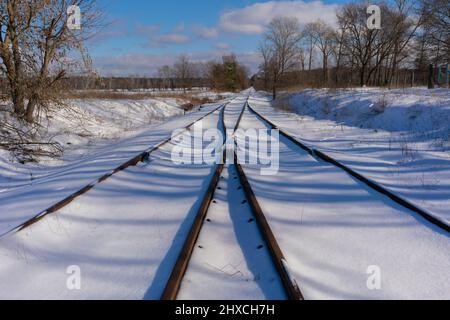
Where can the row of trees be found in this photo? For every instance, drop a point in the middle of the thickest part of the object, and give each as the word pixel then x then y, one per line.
pixel 39 51
pixel 413 35
pixel 228 75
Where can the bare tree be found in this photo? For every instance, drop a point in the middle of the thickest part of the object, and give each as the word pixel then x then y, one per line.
pixel 370 47
pixel 34 45
pixel 375 50
pixel 339 49
pixel 302 58
pixel 404 29
pixel 413 35
pixel 282 37
pixel 265 51
pixel 437 26
pixel 183 71
pixel 324 40
pixel 165 73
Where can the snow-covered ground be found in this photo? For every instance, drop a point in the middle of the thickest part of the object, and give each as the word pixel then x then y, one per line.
pixel 231 261
pixel 27 195
pixel 334 229
pixel 82 128
pixel 125 234
pixel 399 138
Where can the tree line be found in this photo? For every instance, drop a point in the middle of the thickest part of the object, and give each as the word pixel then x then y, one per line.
pixel 184 74
pixel 413 35
pixel 227 75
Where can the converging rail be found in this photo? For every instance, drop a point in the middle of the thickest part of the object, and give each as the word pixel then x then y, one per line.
pixel 176 278
pixel 373 185
pixel 142 157
pixel 174 283
pixel 289 283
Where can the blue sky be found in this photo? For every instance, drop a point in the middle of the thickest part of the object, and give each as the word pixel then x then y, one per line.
pixel 142 35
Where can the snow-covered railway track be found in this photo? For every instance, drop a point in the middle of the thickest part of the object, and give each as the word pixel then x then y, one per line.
pixel 272 274
pixel 334 230
pixel 289 282
pixel 130 163
pixel 123 236
pixel 224 231
pixel 373 185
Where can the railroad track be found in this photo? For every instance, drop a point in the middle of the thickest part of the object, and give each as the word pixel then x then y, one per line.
pixel 175 281
pixel 142 157
pixel 191 243
pixel 371 184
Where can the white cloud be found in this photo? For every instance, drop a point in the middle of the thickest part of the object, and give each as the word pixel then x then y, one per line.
pixel 254 19
pixel 158 39
pixel 204 32
pixel 223 46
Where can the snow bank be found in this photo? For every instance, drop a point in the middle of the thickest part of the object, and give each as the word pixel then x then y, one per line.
pixel 333 230
pixel 398 138
pixel 108 119
pixel 85 126
pixel 421 114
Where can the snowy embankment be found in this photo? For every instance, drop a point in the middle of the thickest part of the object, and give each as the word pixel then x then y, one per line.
pixel 333 230
pixel 398 138
pixel 26 190
pixel 82 128
pixel 123 236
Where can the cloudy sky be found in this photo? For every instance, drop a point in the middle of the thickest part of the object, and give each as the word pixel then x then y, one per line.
pixel 143 35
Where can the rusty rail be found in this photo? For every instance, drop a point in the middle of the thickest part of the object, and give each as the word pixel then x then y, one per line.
pixel 179 270
pixel 290 285
pixel 373 185
pixel 176 278
pixel 132 162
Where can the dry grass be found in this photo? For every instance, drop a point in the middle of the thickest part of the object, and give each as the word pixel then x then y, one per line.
pixel 191 98
pixel 381 105
pixel 120 95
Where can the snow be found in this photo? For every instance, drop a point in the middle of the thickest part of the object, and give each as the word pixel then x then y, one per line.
pixel 49 186
pixel 82 127
pixel 405 148
pixel 214 96
pixel 332 228
pixel 231 260
pixel 124 235
pixel 229 264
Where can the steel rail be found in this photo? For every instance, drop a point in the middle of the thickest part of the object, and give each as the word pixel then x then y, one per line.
pixel 173 285
pixel 370 183
pixel 142 157
pixel 289 283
